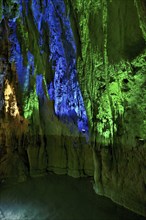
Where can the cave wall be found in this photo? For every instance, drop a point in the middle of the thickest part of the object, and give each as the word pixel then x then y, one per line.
pixel 41 94
pixel 111 71
pixel 73 93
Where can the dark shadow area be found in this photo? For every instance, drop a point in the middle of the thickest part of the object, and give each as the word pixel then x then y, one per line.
pixel 58 198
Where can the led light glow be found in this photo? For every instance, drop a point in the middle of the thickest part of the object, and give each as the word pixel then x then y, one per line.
pixel 10 100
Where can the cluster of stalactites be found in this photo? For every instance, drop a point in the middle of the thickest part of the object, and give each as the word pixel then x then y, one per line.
pixel 64 88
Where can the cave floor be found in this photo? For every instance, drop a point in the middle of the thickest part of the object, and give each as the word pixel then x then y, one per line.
pixel 55 197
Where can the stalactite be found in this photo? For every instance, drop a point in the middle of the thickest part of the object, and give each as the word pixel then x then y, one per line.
pixel 142 16
pixel 76 79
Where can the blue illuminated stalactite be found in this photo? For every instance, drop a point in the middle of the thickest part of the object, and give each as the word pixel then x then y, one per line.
pixel 29 70
pixel 37 14
pixel 64 90
pixel 39 86
pixel 38 18
pixel 67 96
pixel 16 56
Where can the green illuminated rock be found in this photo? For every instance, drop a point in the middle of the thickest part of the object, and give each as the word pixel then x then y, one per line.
pixel 110 37
pixel 111 69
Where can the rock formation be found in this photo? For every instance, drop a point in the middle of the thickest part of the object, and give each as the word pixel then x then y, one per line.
pixel 73 93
